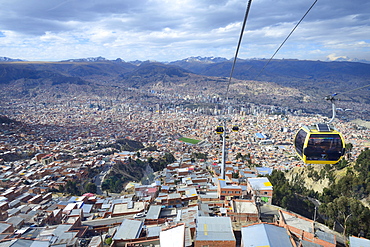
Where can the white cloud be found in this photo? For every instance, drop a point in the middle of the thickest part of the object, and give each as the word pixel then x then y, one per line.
pixel 175 29
pixel 334 57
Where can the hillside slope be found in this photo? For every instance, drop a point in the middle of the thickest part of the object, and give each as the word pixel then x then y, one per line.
pixel 305 175
pixel 294 84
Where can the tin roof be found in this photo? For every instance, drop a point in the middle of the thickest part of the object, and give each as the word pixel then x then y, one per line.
pixel 154 212
pixel 214 229
pixel 129 229
pixel 265 235
pixel 358 242
pixel 261 183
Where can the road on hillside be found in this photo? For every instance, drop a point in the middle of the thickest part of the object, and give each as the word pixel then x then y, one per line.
pixel 100 178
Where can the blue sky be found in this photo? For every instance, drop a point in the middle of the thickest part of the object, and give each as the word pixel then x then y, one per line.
pixel 169 30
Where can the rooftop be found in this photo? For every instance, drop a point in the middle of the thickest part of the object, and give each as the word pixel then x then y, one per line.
pixel 265 235
pixel 260 183
pixel 129 229
pixel 214 228
pixel 297 222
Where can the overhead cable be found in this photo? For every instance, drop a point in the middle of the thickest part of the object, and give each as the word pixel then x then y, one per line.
pixel 286 39
pixel 238 47
pixel 350 91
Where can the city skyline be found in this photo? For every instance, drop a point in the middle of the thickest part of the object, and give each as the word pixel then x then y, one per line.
pixel 174 30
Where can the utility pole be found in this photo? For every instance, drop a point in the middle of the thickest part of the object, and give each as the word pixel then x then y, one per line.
pixel 314 219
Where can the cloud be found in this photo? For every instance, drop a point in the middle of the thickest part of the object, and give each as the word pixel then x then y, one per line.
pixel 334 57
pixel 174 29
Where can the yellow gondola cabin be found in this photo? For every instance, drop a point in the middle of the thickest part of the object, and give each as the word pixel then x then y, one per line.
pixel 319 144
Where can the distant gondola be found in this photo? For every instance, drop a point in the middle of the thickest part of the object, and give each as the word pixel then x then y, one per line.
pixel 319 144
pixel 219 130
pixel 235 128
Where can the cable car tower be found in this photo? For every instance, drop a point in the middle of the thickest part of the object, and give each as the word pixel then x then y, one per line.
pixel 320 143
pixel 223 132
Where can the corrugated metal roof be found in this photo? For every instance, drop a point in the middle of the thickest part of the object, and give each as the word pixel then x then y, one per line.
pixel 154 212
pixel 129 229
pixel 261 136
pixel 26 242
pixel 8 243
pixel 261 183
pixel 174 196
pixel 328 237
pixel 37 243
pixel 154 231
pixel 214 229
pixel 299 223
pixel 358 242
pixel 61 229
pixel 309 244
pixel 264 170
pixel 87 208
pixel 191 191
pixel 265 235
pixel 222 182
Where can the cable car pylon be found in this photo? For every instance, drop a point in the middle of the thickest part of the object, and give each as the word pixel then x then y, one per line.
pixel 222 131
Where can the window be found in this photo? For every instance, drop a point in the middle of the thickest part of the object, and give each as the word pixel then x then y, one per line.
pixel 324 147
pixel 299 141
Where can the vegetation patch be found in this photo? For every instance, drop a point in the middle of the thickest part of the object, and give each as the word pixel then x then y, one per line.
pixel 138 170
pixel 340 202
pixel 189 140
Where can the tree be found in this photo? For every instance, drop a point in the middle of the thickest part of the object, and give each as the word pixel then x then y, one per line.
pixel 247 157
pixel 348 148
pixel 291 195
pixel 108 241
pixel 238 156
pixel 235 175
pixel 150 160
pixel 90 188
pixel 169 158
pixel 199 156
pixel 350 213
pixel 113 183
pixel 71 188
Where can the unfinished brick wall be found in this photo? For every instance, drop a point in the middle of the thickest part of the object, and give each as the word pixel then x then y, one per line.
pixel 201 243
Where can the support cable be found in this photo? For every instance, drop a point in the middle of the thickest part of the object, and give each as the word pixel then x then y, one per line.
pixel 238 47
pixel 350 91
pixel 291 32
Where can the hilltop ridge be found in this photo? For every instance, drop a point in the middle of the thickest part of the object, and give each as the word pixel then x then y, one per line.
pixel 295 84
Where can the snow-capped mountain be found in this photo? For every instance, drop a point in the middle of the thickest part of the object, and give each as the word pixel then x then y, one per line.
pixel 205 59
pixel 7 59
pixel 89 59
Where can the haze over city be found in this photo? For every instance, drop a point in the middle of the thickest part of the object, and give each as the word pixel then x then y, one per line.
pixel 176 29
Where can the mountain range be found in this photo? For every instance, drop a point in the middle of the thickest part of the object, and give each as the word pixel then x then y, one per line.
pixel 299 84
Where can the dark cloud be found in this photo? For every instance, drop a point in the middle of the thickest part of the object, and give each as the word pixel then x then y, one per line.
pixel 151 15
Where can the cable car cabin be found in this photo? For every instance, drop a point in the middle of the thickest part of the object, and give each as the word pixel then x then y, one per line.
pixel 220 130
pixel 235 128
pixel 319 144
